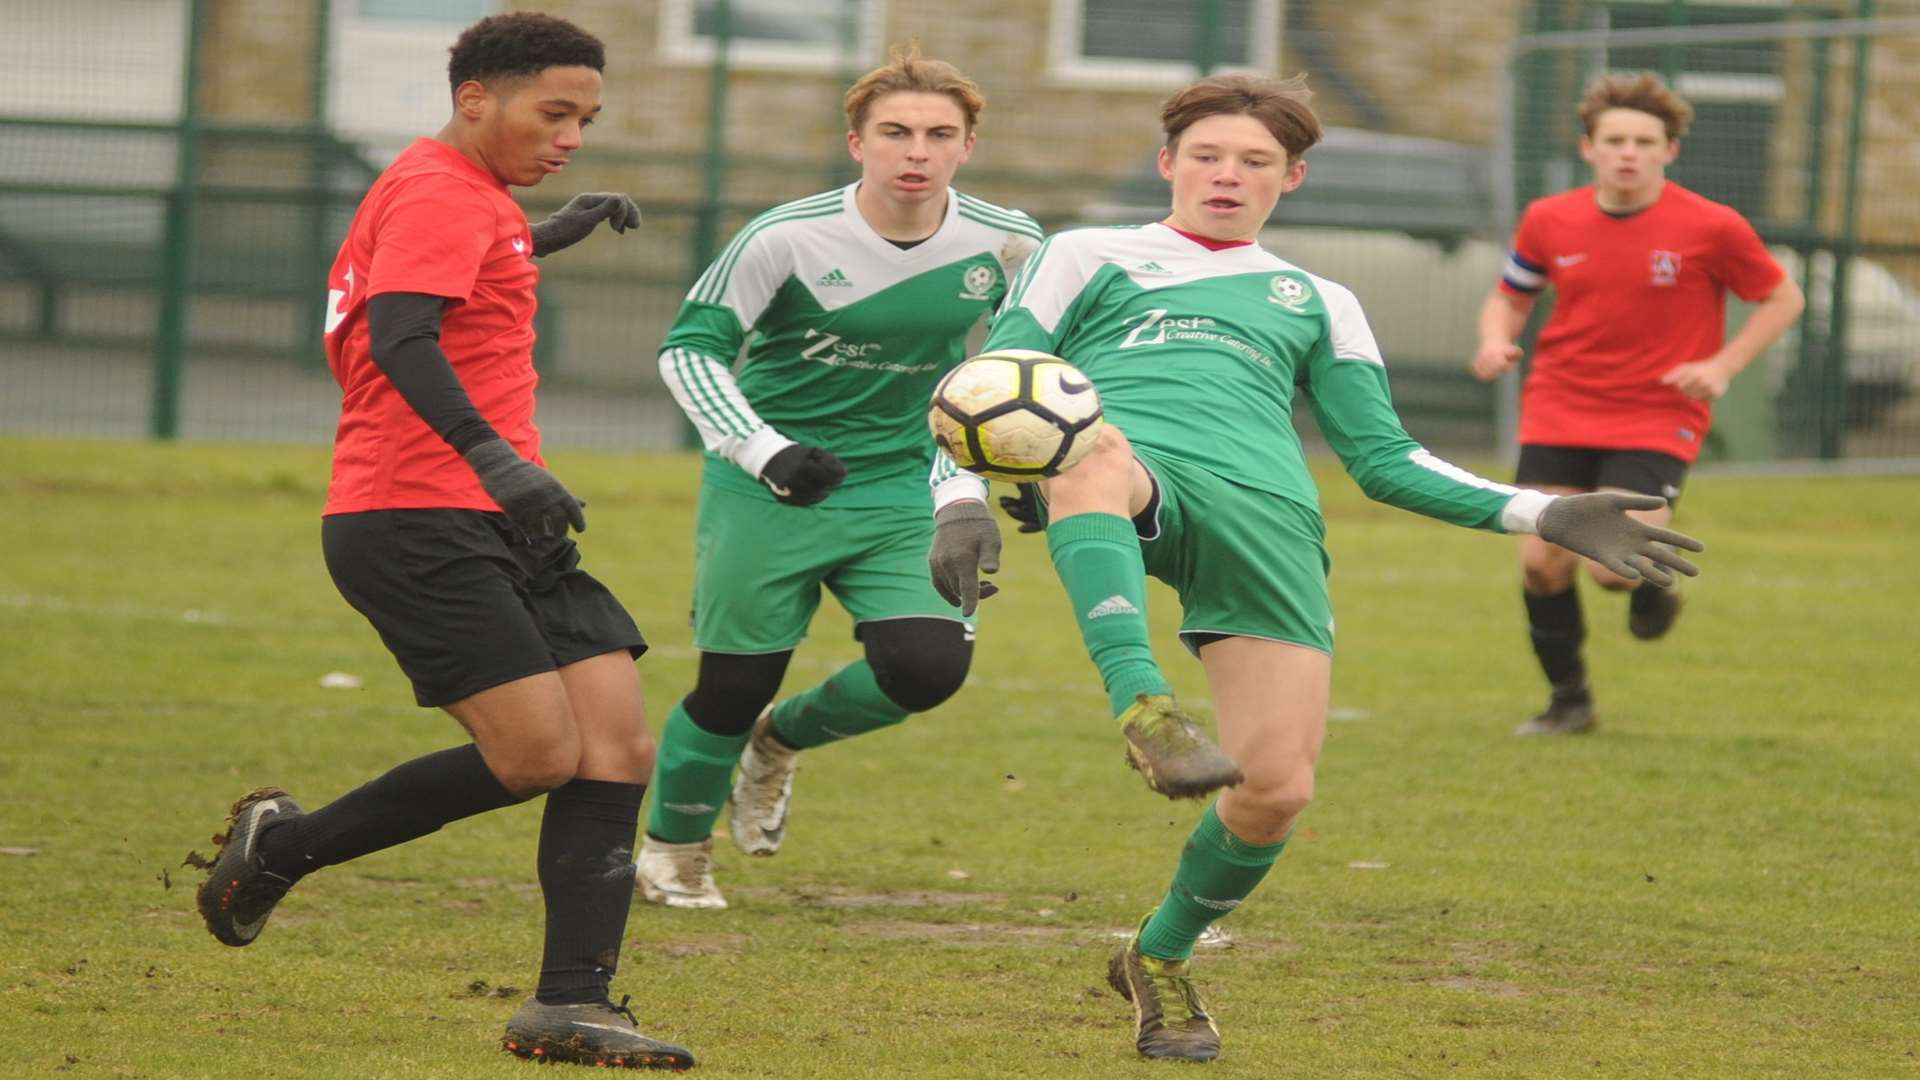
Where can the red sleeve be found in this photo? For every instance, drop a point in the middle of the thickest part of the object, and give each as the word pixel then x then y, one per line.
pixel 1744 264
pixel 431 238
pixel 1525 271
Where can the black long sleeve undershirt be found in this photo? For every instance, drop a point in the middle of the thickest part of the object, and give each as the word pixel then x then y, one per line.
pixel 404 332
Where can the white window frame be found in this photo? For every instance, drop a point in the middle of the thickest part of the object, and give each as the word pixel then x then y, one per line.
pixel 679 44
pixel 1067 66
pixel 409 95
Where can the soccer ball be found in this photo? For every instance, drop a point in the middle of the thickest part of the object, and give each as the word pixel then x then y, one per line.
pixel 1015 414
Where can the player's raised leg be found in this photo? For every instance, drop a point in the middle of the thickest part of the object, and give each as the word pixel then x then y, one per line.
pixel 1096 551
pixel 1272 702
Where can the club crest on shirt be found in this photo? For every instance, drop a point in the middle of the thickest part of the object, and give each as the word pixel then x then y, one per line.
pixel 1665 266
pixel 1288 292
pixel 977 281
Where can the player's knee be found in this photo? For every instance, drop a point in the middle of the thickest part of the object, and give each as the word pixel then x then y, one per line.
pixel 733 689
pixel 1546 569
pixel 918 663
pixel 1272 798
pixel 1109 462
pixel 536 769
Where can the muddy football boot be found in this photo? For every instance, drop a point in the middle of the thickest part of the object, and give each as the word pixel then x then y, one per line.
pixel 1171 752
pixel 601 1035
pixel 240 892
pixel 762 791
pixel 678 875
pixel 1170 1020
pixel 1651 611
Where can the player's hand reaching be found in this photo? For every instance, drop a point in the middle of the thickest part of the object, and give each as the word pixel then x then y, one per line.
pixel 966 544
pixel 528 494
pixel 1024 507
pixel 802 475
pixel 583 213
pixel 1701 380
pixel 1596 525
pixel 1492 359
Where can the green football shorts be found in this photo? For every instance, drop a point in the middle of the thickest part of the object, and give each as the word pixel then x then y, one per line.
pixel 1246 563
pixel 759 566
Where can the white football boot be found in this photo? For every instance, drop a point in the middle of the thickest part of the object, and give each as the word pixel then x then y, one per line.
pixel 762 791
pixel 678 875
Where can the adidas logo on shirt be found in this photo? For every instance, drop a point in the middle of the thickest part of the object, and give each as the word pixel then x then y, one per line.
pixel 1113 605
pixel 834 277
pixel 1151 267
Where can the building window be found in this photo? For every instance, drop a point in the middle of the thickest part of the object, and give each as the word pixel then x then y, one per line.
pixel 786 35
pixel 387 80
pixel 1152 41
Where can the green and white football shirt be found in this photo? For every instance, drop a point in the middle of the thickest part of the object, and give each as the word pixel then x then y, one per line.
pixel 845 334
pixel 1197 354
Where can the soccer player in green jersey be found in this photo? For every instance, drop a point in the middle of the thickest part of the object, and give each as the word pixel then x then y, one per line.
pixel 1198 340
pixel 851 305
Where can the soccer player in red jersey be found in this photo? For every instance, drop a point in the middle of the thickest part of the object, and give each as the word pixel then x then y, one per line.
pixel 443 527
pixel 1629 363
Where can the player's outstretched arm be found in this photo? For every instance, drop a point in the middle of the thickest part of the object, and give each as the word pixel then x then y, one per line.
pixel 583 213
pixel 1596 525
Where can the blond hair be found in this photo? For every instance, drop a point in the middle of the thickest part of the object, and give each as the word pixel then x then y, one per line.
pixel 1280 104
pixel 908 71
pixel 1642 92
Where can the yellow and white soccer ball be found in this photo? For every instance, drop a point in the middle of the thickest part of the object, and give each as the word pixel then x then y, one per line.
pixel 1015 414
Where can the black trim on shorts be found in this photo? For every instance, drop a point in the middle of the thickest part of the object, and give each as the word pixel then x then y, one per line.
pixel 1648 472
pixel 465 603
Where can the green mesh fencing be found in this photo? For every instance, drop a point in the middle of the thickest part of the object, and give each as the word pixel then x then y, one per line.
pixel 163 249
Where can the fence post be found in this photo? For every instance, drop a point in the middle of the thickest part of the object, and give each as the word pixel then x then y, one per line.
pixel 312 307
pixel 1833 385
pixel 176 261
pixel 706 233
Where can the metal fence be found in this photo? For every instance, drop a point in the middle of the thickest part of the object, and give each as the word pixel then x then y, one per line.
pixel 171 194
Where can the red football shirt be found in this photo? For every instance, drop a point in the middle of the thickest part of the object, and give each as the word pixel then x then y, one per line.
pixel 1635 297
pixel 433 223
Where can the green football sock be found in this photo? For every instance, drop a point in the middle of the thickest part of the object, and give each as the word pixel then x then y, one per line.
pixel 1098 558
pixel 848 704
pixel 1217 871
pixel 691 779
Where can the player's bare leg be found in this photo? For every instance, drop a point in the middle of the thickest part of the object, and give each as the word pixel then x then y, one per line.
pixel 1091 537
pixel 1272 702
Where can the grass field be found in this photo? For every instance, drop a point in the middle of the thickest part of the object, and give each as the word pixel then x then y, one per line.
pixel 1724 881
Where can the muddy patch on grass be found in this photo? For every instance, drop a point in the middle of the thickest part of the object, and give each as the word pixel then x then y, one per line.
pixel 718 945
pixel 989 935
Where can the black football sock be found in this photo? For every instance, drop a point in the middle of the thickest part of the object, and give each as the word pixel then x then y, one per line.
pixel 1558 630
pixel 586 877
pixel 411 800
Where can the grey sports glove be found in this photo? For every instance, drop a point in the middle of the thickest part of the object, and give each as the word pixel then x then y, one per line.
pixel 529 495
pixel 966 544
pixel 571 223
pixel 1596 525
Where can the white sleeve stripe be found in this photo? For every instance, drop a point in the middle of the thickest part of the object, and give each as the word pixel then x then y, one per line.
pixel 712 435
pixel 718 381
pixel 1017 293
pixel 694 372
pixel 1425 459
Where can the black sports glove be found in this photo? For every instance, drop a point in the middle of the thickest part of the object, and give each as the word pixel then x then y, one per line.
pixel 966 544
pixel 571 223
pixel 532 499
pixel 1024 507
pixel 1596 525
pixel 802 475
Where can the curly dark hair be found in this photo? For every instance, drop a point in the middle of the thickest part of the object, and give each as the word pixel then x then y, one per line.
pixel 518 44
